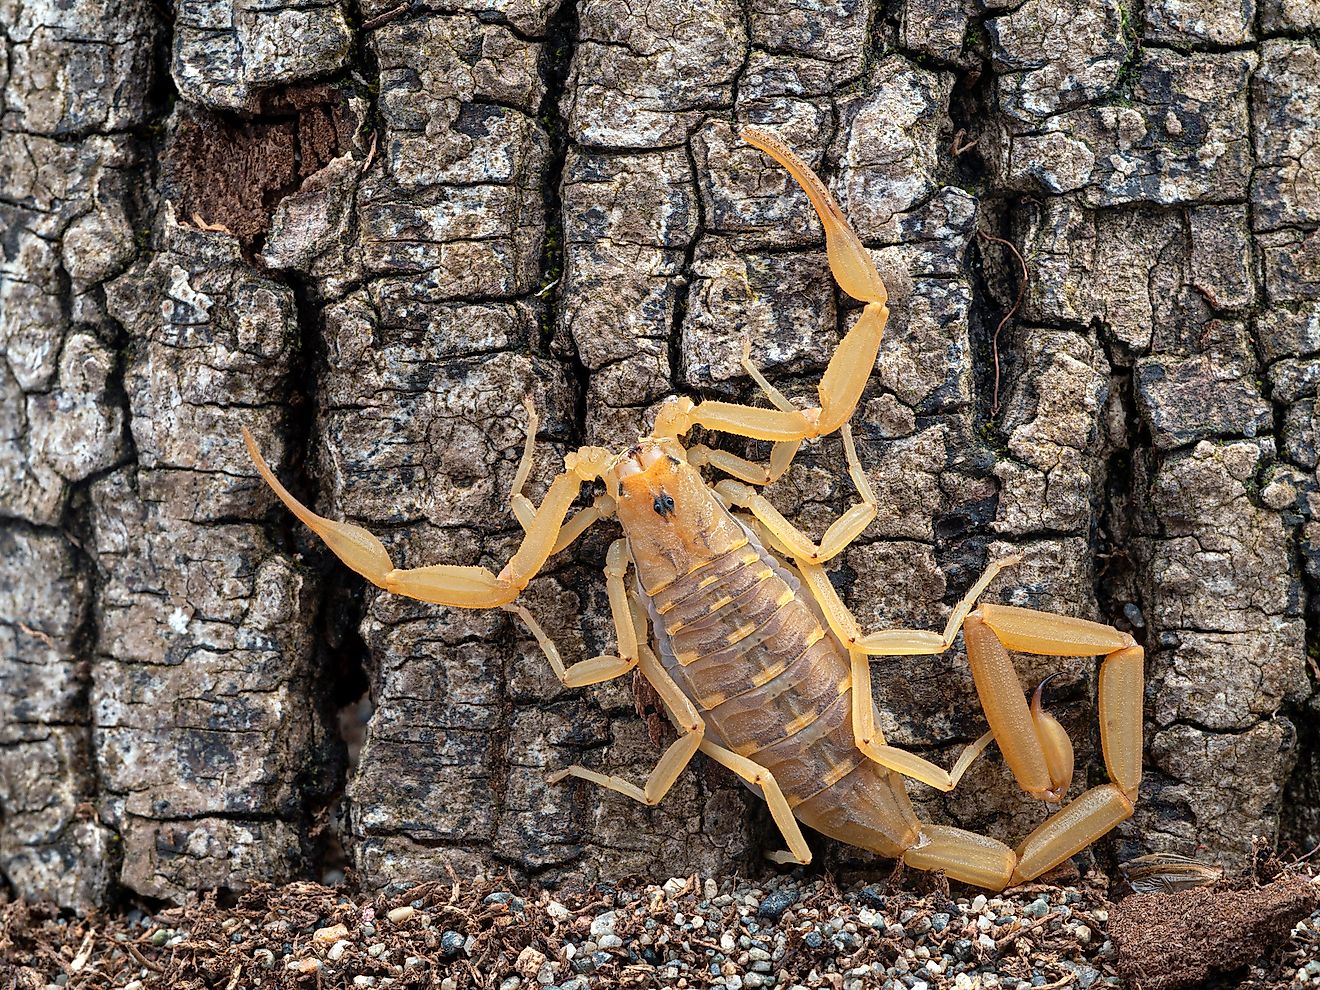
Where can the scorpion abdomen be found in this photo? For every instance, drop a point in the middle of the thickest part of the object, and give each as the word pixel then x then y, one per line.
pixel 741 640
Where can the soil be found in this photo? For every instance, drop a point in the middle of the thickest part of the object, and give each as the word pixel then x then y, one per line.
pixel 686 933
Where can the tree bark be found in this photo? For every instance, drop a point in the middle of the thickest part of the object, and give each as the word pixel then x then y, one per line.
pixel 368 232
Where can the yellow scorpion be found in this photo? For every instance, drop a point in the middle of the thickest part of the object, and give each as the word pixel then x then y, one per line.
pixel 758 662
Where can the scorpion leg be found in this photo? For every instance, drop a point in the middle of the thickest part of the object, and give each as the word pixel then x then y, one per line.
pixel 602 507
pixel 841 385
pixel 601 668
pixel 1032 750
pixel 447 584
pixel 686 719
pixel 896 642
pixel 791 540
pixel 781 455
pixel 758 776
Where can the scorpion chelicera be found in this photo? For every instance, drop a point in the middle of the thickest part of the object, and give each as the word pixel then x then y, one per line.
pixel 757 660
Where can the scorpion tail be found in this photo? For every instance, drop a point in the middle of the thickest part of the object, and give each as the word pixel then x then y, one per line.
pixel 867 808
pixel 963 855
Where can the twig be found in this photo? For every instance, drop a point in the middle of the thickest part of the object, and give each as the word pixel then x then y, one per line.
pixel 382 19
pixel 37 634
pixel 958 148
pixel 143 960
pixel 1017 303
pixel 1005 939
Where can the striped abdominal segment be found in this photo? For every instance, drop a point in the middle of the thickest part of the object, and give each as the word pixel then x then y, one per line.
pixel 741 641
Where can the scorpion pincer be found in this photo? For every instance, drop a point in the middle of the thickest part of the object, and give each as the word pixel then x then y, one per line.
pixel 758 662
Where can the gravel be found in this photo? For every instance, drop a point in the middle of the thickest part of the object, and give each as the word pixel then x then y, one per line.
pixel 791 932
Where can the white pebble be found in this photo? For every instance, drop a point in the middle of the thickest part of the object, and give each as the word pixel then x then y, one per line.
pixel 337 950
pixel 710 889
pixel 133 985
pixel 978 903
pixel 364 981
pixel 1083 934
pixel 557 911
pixel 673 885
pixel 986 941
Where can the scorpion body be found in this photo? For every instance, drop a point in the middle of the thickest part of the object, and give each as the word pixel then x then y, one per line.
pixel 744 642
pixel 758 662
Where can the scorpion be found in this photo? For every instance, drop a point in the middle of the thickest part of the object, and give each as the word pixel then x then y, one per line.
pixel 758 662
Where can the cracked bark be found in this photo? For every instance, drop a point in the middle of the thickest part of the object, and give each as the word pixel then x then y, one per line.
pixel 367 233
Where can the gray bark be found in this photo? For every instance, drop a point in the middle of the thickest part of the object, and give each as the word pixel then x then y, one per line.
pixel 366 233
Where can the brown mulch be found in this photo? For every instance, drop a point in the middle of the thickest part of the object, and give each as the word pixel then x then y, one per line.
pixel 456 934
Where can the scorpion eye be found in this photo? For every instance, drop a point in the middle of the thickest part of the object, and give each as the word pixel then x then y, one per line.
pixel 664 504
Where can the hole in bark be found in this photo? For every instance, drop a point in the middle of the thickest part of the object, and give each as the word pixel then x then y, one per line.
pixel 227 172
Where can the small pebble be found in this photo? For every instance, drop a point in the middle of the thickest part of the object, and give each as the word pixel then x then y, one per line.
pixel 557 911
pixel 330 935
pixel 337 950
pixel 377 950
pixel 871 897
pixel 774 906
pixel 451 944
pixel 401 914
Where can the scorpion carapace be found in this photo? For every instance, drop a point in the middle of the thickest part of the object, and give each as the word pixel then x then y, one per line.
pixel 759 663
